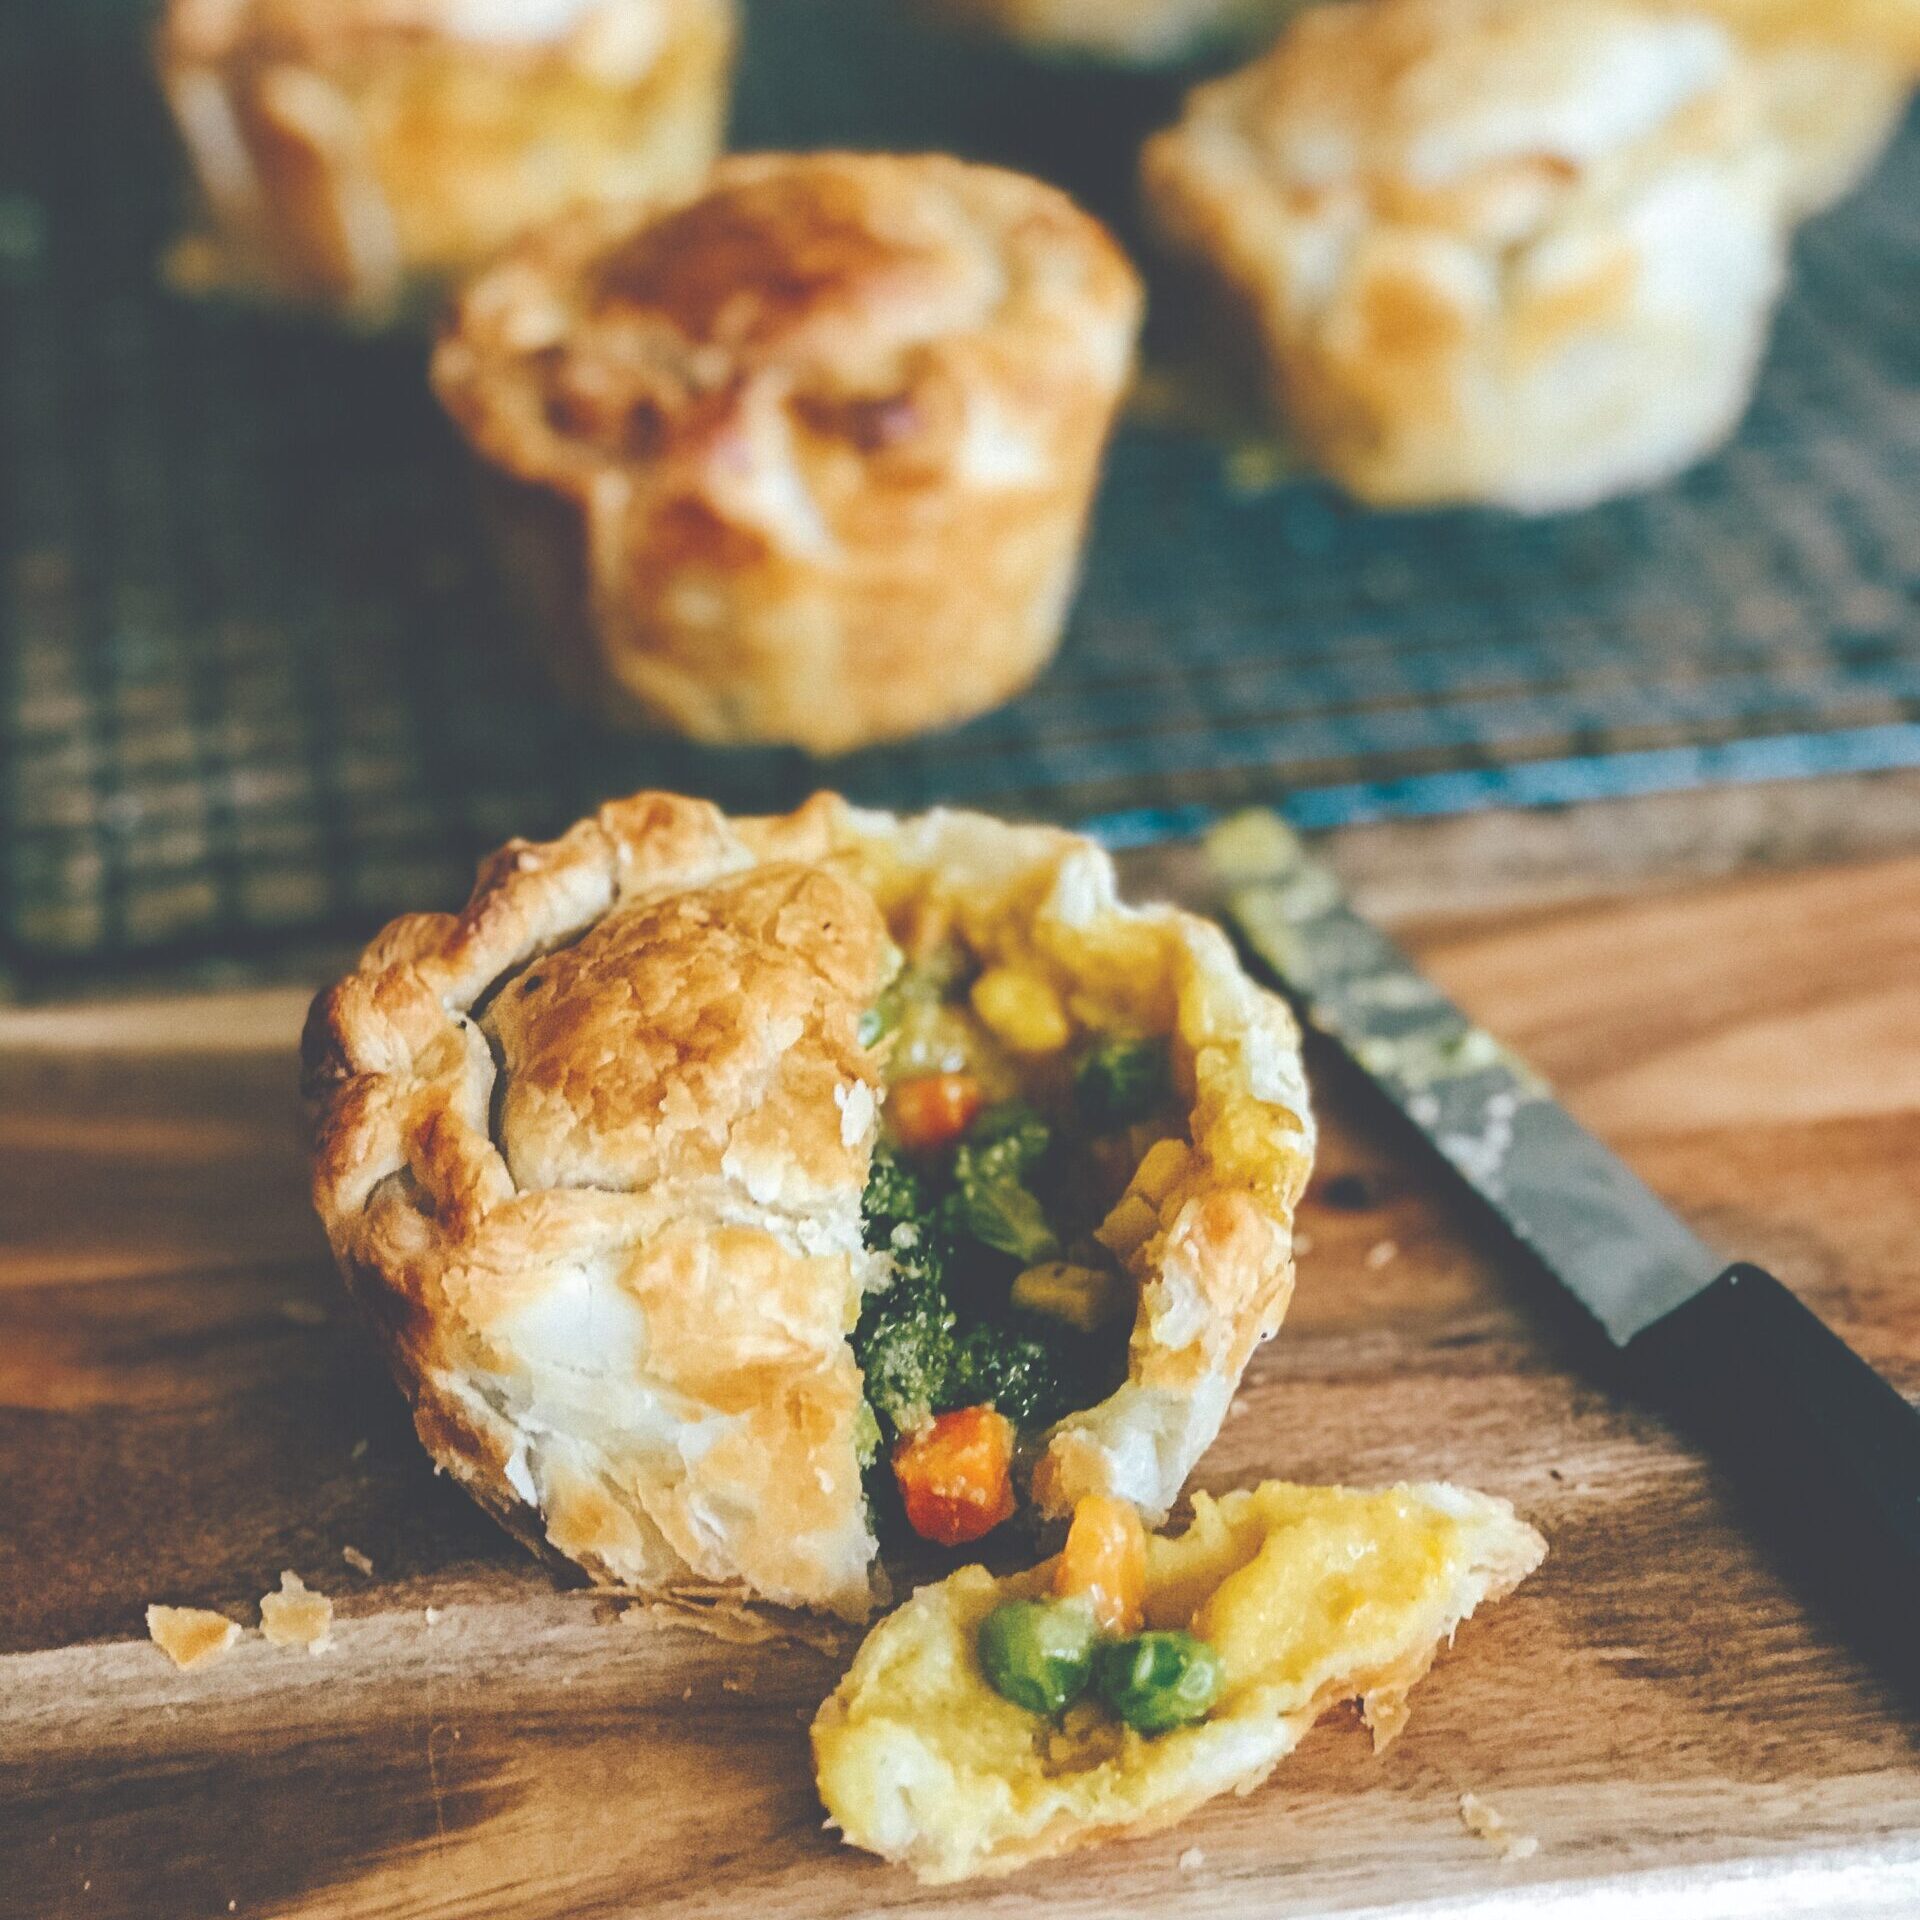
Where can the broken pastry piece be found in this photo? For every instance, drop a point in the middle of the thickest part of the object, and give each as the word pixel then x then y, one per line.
pixel 806 458
pixel 989 1723
pixel 703 1174
pixel 191 1636
pixel 357 155
pixel 1522 252
pixel 296 1616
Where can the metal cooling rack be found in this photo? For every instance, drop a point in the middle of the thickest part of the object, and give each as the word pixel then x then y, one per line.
pixel 251 690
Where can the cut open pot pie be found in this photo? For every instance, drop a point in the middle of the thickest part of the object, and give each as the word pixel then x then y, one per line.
pixel 699 1169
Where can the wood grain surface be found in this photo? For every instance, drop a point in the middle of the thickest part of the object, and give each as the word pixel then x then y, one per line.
pixel 186 1409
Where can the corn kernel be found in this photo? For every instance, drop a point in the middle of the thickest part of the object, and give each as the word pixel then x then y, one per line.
pixel 1128 1225
pixel 1084 1297
pixel 1021 1011
pixel 1165 1162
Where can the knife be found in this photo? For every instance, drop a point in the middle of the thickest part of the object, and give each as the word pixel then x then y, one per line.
pixel 1825 1451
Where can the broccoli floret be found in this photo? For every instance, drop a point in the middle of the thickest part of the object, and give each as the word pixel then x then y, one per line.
pixel 991 1200
pixel 908 1347
pixel 908 1332
pixel 895 1195
pixel 1008 1138
pixel 1002 1214
pixel 1120 1081
pixel 917 1353
pixel 1021 1373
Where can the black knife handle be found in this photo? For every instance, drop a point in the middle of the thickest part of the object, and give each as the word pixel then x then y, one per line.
pixel 1825 1450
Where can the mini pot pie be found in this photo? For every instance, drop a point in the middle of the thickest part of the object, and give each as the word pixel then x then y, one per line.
pixel 990 1723
pixel 722 1190
pixel 807 458
pixel 1514 251
pixel 1135 33
pixel 356 155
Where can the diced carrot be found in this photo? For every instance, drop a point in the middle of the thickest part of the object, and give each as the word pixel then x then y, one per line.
pixel 934 1110
pixel 955 1475
pixel 1105 1561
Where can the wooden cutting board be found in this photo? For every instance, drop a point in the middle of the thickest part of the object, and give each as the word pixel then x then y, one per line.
pixel 186 1409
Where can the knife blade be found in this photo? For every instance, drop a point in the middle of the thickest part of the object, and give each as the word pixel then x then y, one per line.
pixel 1587 1217
pixel 1826 1450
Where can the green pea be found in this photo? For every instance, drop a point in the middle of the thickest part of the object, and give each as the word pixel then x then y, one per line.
pixel 1158 1681
pixel 1038 1654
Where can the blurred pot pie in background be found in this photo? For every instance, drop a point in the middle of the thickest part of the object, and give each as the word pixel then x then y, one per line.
pixel 1514 251
pixel 806 458
pixel 720 1189
pixel 1143 33
pixel 356 155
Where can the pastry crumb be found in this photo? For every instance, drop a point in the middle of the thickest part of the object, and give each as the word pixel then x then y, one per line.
pixel 1302 1245
pixel 357 1560
pixel 1485 1823
pixel 1192 1860
pixel 432 1616
pixel 358 1451
pixel 1382 1253
pixel 188 1636
pixel 296 1616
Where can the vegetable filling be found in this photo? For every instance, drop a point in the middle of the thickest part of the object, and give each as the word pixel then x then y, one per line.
pixel 1005 1141
pixel 1046 1654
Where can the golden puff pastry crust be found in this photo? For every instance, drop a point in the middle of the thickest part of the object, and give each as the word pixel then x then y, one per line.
pixel 357 155
pixel 591 1155
pixel 1515 251
pixel 806 458
pixel 1309 1596
pixel 1135 33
